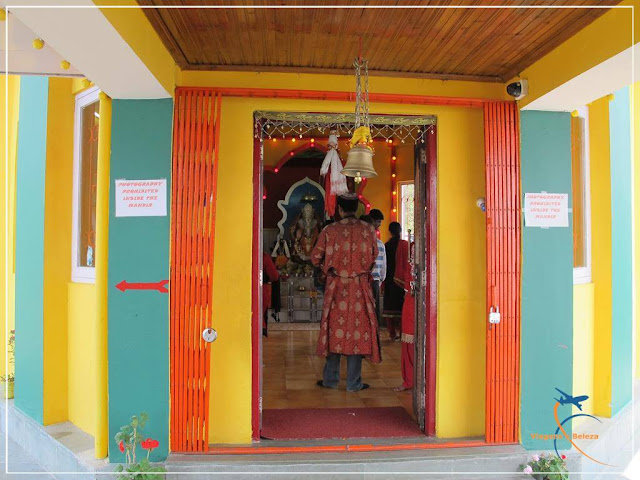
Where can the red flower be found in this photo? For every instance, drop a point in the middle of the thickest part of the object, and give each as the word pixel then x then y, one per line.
pixel 149 444
pixel 564 457
pixel 121 446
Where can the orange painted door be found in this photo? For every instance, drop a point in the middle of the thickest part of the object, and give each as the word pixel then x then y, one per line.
pixel 502 154
pixel 193 212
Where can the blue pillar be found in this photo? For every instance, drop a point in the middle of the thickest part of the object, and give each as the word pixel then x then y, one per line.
pixel 547 281
pixel 138 328
pixel 621 247
pixel 30 183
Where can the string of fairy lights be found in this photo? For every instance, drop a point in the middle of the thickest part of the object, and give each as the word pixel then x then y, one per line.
pixel 294 128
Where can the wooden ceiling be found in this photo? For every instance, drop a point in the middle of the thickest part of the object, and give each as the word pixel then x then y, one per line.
pixel 481 44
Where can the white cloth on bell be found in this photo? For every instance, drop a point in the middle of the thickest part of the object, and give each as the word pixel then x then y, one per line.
pixel 332 162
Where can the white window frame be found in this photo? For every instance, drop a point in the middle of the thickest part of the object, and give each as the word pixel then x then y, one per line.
pixel 79 274
pixel 399 204
pixel 582 275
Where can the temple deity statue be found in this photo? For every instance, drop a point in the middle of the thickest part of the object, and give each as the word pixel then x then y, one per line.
pixel 304 233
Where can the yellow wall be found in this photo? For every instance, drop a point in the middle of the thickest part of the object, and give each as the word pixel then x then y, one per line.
pixel 583 344
pixel 607 36
pixel 57 246
pixel 81 348
pixel 601 252
pixel 635 92
pixel 342 83
pixel 461 256
pixel 69 321
pixel 7 169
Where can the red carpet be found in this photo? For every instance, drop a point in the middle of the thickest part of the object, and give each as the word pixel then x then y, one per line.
pixel 313 423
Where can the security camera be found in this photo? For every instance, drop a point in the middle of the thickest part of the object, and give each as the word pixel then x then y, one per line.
pixel 518 89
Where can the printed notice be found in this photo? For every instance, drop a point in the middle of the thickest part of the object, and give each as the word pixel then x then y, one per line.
pixel 141 198
pixel 546 210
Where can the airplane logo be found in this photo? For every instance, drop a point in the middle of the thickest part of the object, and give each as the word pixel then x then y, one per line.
pixel 567 399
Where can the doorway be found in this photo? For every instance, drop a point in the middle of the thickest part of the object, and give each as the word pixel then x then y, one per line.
pixel 285 367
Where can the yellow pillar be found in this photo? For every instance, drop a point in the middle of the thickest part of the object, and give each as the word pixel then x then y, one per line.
pixel 102 255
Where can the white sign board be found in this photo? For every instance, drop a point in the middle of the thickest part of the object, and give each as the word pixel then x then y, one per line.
pixel 141 198
pixel 546 210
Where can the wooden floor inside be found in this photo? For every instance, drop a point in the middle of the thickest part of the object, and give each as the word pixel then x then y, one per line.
pixel 292 368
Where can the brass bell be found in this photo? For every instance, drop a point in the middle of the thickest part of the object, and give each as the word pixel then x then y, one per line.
pixel 359 163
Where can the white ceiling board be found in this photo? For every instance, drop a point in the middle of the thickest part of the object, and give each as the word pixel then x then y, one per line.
pixel 26 60
pixel 603 79
pixel 85 38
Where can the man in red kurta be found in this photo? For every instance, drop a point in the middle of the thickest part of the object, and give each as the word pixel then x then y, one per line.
pixel 403 278
pixel 346 251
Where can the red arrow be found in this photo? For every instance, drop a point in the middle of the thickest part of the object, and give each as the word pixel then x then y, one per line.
pixel 159 286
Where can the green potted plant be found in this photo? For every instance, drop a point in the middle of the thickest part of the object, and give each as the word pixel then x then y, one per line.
pixel 9 378
pixel 546 467
pixel 128 439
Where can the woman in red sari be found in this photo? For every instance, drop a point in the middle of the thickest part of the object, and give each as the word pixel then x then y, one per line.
pixel 403 278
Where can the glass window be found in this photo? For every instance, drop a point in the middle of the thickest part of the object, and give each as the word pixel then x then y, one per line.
pixel 406 210
pixel 87 118
pixel 581 196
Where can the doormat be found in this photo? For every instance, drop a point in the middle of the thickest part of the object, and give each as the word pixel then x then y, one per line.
pixel 338 423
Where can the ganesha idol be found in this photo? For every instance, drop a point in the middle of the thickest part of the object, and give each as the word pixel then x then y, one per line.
pixel 304 233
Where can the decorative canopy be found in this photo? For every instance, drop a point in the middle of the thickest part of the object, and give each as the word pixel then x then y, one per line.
pixel 402 128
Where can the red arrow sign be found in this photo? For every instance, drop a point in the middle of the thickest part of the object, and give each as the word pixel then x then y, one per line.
pixel 159 286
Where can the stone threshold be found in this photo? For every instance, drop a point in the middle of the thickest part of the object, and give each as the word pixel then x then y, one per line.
pixel 65 448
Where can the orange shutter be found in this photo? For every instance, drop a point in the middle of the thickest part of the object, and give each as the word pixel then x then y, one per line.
pixel 196 132
pixel 502 154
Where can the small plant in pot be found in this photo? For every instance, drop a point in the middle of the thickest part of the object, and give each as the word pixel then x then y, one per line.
pixel 128 439
pixel 9 378
pixel 546 467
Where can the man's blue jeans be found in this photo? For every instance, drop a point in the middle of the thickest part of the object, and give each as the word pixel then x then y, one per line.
pixel 331 375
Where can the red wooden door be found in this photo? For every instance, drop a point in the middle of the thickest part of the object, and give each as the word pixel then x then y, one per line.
pixel 195 158
pixel 425 265
pixel 502 154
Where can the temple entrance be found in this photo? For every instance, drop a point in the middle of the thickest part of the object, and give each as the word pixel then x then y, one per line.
pixel 292 205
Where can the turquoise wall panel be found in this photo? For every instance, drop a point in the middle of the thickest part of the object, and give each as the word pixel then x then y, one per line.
pixel 31 162
pixel 547 281
pixel 621 247
pixel 139 252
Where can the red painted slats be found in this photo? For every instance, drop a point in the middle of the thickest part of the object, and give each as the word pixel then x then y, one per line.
pixel 199 220
pixel 212 229
pixel 192 211
pixel 502 177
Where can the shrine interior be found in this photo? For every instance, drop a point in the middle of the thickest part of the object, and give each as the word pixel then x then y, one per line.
pixel 293 214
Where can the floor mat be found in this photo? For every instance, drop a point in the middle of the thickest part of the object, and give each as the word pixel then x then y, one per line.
pixel 314 423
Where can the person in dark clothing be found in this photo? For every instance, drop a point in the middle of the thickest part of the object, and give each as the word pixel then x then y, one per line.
pixel 393 297
pixel 270 276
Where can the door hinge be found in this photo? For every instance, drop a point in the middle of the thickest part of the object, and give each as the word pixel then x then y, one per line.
pixel 260 404
pixel 260 280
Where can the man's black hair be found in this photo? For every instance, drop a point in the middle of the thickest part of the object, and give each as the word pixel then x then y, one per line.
pixel 376 214
pixel 367 219
pixel 395 229
pixel 348 204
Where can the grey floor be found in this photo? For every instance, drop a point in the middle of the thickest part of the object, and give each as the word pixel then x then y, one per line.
pixel 19 461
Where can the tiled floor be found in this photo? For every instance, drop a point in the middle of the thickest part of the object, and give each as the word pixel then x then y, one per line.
pixel 291 369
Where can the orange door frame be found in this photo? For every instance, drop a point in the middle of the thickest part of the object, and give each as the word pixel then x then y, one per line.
pixel 503 285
